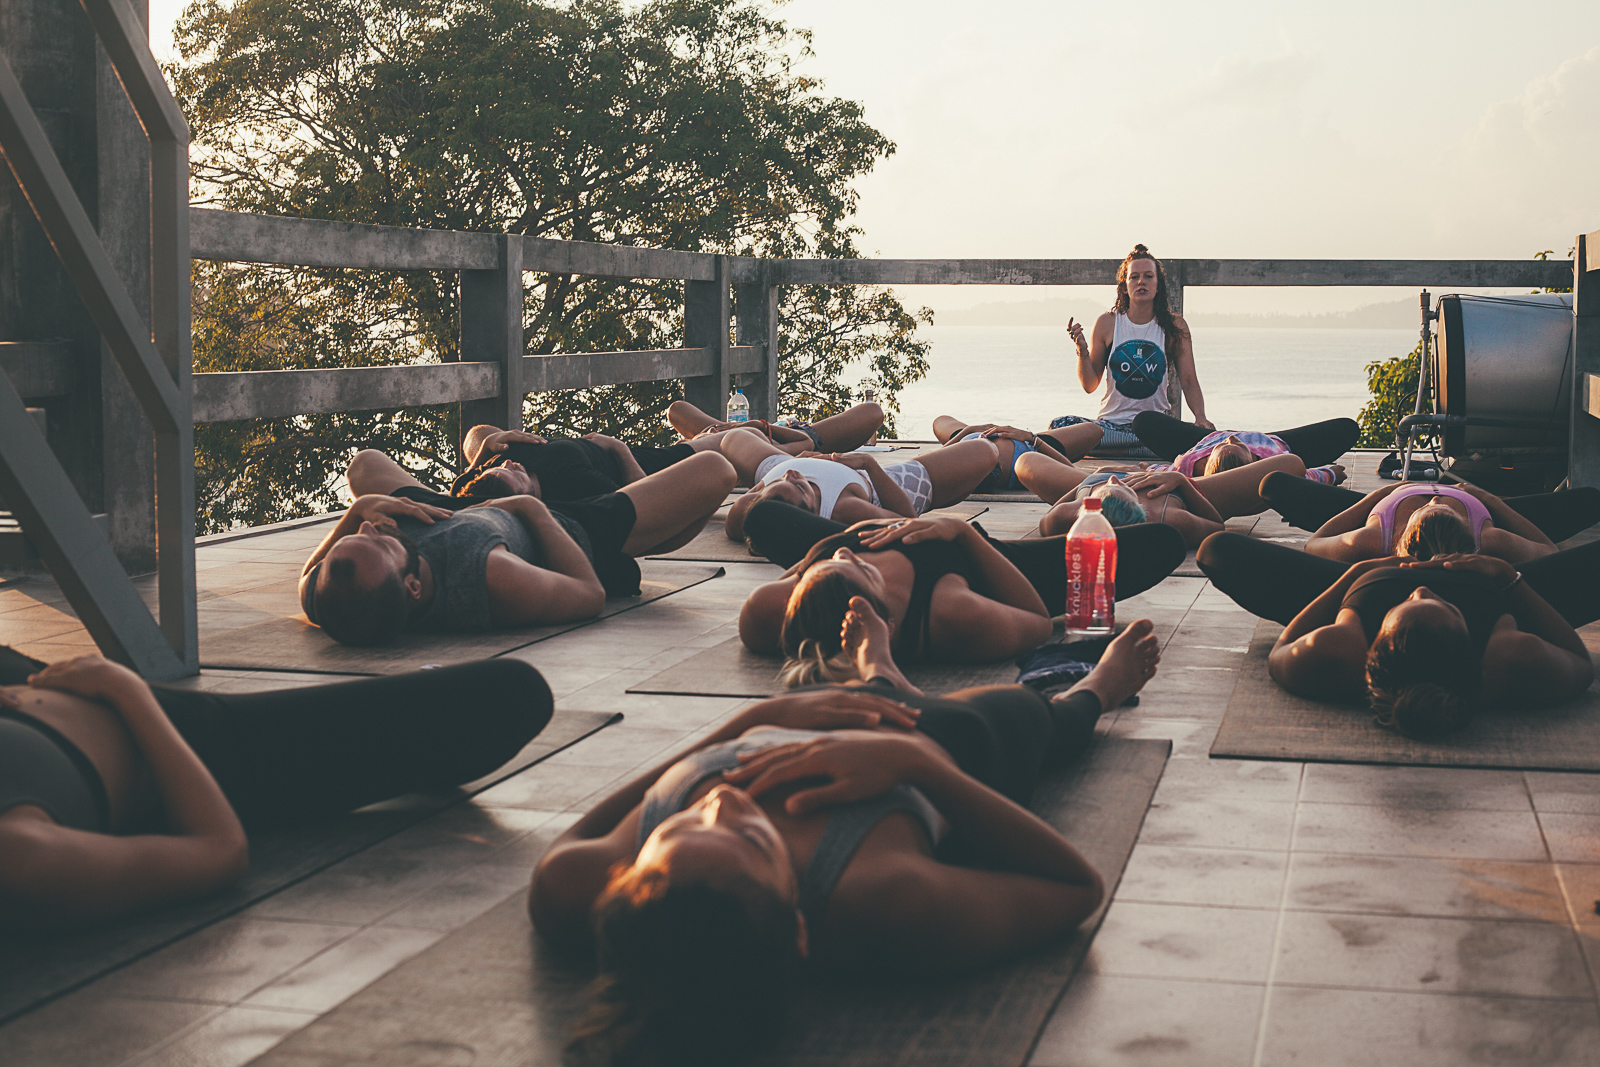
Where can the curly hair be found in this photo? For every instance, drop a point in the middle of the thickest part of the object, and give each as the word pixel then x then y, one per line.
pixel 1164 315
pixel 1435 534
pixel 811 638
pixel 691 974
pixel 1423 680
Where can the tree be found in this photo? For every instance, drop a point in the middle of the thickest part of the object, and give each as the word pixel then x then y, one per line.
pixel 1393 385
pixel 671 123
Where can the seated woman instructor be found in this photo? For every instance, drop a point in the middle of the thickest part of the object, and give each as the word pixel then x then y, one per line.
pixel 846 828
pixel 117 796
pixel 851 486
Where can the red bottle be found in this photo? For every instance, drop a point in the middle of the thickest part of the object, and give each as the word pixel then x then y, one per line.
pixel 1091 573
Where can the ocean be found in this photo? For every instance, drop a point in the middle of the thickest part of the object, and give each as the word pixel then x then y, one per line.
pixel 1253 378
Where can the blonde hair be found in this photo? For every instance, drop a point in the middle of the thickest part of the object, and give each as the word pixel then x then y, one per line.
pixel 812 665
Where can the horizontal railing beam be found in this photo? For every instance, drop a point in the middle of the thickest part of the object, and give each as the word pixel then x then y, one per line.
pixel 623 261
pixel 39 368
pixel 235 237
pixel 586 370
pixel 276 394
pixel 1466 273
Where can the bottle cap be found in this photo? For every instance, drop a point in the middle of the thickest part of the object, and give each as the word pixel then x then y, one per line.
pixel 1091 503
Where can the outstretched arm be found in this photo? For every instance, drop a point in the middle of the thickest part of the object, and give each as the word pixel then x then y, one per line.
pixel 73 876
pixel 1345 537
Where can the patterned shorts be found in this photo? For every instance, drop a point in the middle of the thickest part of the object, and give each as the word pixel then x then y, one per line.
pixel 1114 434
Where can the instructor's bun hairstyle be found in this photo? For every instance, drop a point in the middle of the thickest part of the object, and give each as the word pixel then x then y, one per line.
pixel 1164 315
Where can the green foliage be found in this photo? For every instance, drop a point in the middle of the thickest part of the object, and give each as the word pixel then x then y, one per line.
pixel 1545 255
pixel 668 123
pixel 1393 385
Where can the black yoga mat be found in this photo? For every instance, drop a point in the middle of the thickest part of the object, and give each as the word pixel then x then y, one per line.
pixel 1265 722
pixel 731 670
pixel 34 973
pixel 711 545
pixel 292 644
pixel 492 993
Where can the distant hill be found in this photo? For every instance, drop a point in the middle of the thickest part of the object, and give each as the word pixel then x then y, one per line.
pixel 1391 315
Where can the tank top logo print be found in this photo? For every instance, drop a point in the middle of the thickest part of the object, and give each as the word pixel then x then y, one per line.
pixel 1138 368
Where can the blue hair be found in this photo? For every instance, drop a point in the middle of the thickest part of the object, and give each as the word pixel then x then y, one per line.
pixel 1120 511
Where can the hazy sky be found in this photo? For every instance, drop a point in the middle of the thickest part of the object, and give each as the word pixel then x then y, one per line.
pixel 1233 128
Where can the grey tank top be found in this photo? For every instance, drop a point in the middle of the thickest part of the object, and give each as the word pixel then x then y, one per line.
pixel 848 824
pixel 457 550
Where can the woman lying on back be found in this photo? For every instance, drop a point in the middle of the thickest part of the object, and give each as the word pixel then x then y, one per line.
pixel 1425 519
pixel 852 486
pixel 851 828
pixel 116 796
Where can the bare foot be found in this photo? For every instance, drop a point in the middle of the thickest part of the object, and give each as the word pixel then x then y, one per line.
pixel 865 637
pixel 1127 663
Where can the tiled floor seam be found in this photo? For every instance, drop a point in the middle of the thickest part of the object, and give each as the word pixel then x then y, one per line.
pixel 1277 929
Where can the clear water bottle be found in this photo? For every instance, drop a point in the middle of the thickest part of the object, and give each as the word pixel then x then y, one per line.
pixel 738 407
pixel 1091 573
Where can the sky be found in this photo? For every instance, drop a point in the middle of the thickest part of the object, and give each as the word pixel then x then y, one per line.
pixel 1233 128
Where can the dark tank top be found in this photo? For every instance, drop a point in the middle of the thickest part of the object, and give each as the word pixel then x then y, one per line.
pixel 930 561
pixel 1481 600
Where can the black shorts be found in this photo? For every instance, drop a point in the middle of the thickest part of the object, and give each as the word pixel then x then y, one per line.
pixel 652 459
pixel 609 521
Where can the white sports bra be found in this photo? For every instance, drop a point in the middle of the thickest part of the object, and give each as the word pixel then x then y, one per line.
pixel 831 478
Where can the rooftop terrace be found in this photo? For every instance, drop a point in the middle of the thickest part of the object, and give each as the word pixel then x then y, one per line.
pixel 1271 912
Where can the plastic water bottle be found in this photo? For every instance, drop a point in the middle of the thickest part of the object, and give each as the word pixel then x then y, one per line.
pixel 1091 573
pixel 738 407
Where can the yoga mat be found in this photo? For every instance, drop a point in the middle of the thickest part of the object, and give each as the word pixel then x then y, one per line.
pixel 292 644
pixel 492 993
pixel 1265 722
pixel 731 670
pixel 712 544
pixel 32 974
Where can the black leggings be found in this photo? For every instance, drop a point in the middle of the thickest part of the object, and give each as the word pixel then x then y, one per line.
pixel 1308 505
pixel 1277 582
pixel 1006 736
pixel 296 755
pixel 1146 553
pixel 1317 444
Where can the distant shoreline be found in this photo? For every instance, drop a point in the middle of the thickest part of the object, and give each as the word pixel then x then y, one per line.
pixel 1390 315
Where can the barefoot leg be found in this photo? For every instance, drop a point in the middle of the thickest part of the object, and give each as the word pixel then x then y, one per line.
pixel 673 505
pixel 947 427
pixel 848 430
pixel 746 451
pixel 1127 663
pixel 956 471
pixel 1048 479
pixel 1077 440
pixel 865 639
pixel 1238 492
pixel 688 420
pixel 372 471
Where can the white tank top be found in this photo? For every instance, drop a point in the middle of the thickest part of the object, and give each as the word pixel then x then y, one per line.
pixel 1136 371
pixel 831 479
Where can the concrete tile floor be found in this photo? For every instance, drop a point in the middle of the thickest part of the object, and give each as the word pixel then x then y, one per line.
pixel 1271 912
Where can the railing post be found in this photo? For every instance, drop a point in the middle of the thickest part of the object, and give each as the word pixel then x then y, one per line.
pixel 1583 466
pixel 491 332
pixel 757 308
pixel 706 307
pixel 1175 273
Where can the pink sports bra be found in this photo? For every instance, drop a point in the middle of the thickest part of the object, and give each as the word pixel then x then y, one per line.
pixel 1477 514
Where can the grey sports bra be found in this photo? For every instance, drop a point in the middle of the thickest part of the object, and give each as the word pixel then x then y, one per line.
pixel 848 824
pixel 41 768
